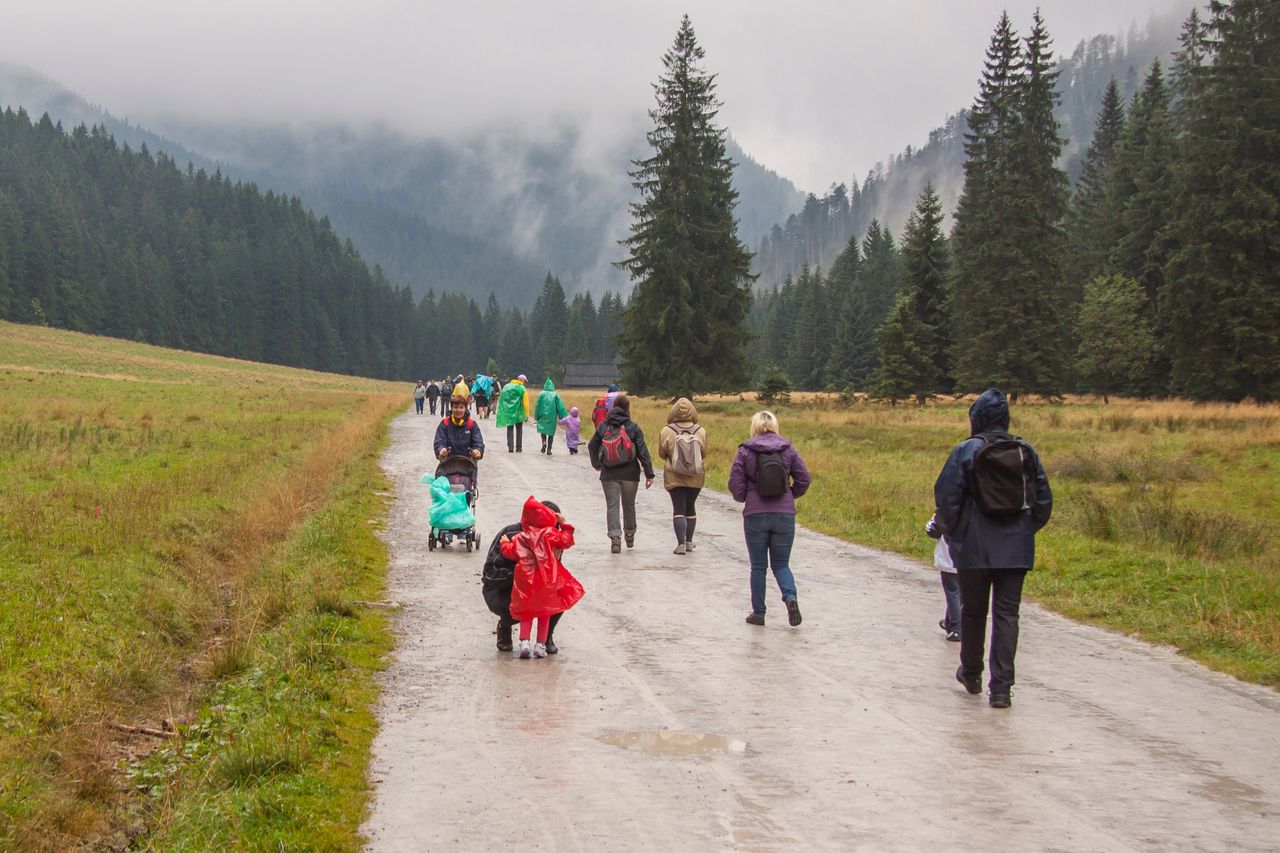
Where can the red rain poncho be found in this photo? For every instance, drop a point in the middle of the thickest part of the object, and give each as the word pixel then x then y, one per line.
pixel 542 584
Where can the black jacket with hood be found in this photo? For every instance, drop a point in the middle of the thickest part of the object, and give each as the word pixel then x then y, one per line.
pixel 630 471
pixel 978 540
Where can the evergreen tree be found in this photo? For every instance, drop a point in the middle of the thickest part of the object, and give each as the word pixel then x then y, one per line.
pixel 902 342
pixel 683 327
pixel 926 265
pixel 1221 301
pixel 1116 342
pixel 1089 233
pixel 1008 233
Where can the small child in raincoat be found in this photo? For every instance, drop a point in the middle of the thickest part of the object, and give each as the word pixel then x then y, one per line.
pixel 541 586
pixel 572 430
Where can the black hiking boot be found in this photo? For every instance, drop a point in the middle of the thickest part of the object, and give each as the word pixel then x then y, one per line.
pixel 972 686
pixel 793 611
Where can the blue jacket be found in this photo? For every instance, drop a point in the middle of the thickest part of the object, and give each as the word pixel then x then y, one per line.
pixel 459 439
pixel 980 541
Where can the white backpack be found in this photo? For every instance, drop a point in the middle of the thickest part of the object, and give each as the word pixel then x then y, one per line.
pixel 686 458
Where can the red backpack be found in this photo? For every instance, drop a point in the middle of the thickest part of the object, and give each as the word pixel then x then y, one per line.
pixel 616 447
pixel 599 413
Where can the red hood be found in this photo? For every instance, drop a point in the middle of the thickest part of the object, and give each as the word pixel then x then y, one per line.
pixel 536 515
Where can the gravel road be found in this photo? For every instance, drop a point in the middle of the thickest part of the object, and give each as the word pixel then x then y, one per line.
pixel 666 723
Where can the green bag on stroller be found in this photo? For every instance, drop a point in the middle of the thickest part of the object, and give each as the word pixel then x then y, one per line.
pixel 449 509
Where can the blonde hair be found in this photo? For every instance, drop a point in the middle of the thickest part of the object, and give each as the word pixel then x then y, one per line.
pixel 762 422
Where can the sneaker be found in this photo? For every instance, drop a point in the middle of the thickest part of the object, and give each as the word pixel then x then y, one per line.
pixel 552 648
pixel 525 652
pixel 631 540
pixel 681 549
pixel 953 636
pixel 793 611
pixel 689 545
pixel 539 650
pixel 1000 700
pixel 972 686
pixel 615 547
pixel 755 619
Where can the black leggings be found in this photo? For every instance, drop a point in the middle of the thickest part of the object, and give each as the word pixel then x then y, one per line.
pixel 683 499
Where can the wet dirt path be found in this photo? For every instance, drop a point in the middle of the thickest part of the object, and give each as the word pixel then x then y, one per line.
pixel 666 723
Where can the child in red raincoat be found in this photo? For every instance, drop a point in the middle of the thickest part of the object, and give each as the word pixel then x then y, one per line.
pixel 542 586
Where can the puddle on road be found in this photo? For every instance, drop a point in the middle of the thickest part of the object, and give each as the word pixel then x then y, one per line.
pixel 668 742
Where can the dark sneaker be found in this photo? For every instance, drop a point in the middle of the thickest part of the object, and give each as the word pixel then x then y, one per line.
pixel 615 547
pixel 1000 700
pixel 552 648
pixel 953 636
pixel 755 619
pixel 972 686
pixel 793 611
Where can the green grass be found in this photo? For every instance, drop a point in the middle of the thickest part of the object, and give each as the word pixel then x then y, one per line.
pixel 179 533
pixel 1166 520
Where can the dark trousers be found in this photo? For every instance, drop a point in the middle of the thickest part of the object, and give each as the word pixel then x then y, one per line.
pixel 1001 591
pixel 515 431
pixel 432 401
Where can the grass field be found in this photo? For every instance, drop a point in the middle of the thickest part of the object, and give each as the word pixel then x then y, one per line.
pixel 1166 519
pixel 185 538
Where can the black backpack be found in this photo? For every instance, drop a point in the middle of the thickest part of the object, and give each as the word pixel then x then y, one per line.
pixel 771 475
pixel 1004 475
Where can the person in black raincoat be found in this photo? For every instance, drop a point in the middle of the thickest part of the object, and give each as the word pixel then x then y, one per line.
pixel 992 554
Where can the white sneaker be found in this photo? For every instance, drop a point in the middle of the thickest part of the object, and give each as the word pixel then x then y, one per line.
pixel 539 650
pixel 689 545
pixel 524 650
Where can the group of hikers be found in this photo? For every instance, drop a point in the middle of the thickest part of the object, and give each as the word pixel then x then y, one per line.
pixel 991 498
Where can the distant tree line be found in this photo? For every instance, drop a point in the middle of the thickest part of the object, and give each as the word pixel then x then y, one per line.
pixel 1158 274
pixel 116 241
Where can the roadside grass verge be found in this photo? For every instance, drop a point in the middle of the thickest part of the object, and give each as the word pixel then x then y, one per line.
pixel 167 523
pixel 1166 520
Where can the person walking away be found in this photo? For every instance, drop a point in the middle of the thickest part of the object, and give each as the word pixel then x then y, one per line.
pixel 992 497
pixel 541 586
pixel 513 411
pixel 480 394
pixel 599 413
pixel 767 476
pixel 950 621
pixel 682 445
pixel 618 452
pixel 458 434
pixel 419 396
pixel 495 585
pixel 548 411
pixel 572 430
pixel 433 394
pixel 611 396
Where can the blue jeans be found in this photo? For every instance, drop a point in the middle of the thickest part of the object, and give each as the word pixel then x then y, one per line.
pixel 769 538
pixel 951 589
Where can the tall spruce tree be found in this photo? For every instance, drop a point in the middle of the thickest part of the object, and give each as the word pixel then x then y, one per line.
pixel 683 327
pixel 1008 234
pixel 1089 232
pixel 1221 301
pixel 926 267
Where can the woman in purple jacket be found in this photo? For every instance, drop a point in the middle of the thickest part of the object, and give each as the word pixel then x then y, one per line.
pixel 763 460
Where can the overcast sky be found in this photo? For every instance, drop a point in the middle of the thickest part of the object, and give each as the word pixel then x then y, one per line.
pixel 818 91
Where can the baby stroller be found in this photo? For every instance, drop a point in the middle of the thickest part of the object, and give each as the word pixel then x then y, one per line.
pixel 461 472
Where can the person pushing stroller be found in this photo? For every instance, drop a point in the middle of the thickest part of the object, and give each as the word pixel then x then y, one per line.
pixel 458 434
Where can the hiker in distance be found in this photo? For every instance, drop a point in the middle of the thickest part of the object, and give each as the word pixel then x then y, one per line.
pixel 767 476
pixel 513 411
pixel 682 445
pixel 992 497
pixel 618 452
pixel 433 394
pixel 548 411
pixel 419 396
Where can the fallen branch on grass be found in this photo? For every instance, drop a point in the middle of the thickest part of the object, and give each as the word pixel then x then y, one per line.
pixel 152 733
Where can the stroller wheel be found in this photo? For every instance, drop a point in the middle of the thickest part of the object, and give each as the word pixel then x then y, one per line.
pixel 431 543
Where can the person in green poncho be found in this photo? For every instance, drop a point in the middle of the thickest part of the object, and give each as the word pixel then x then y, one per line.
pixel 513 411
pixel 549 410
